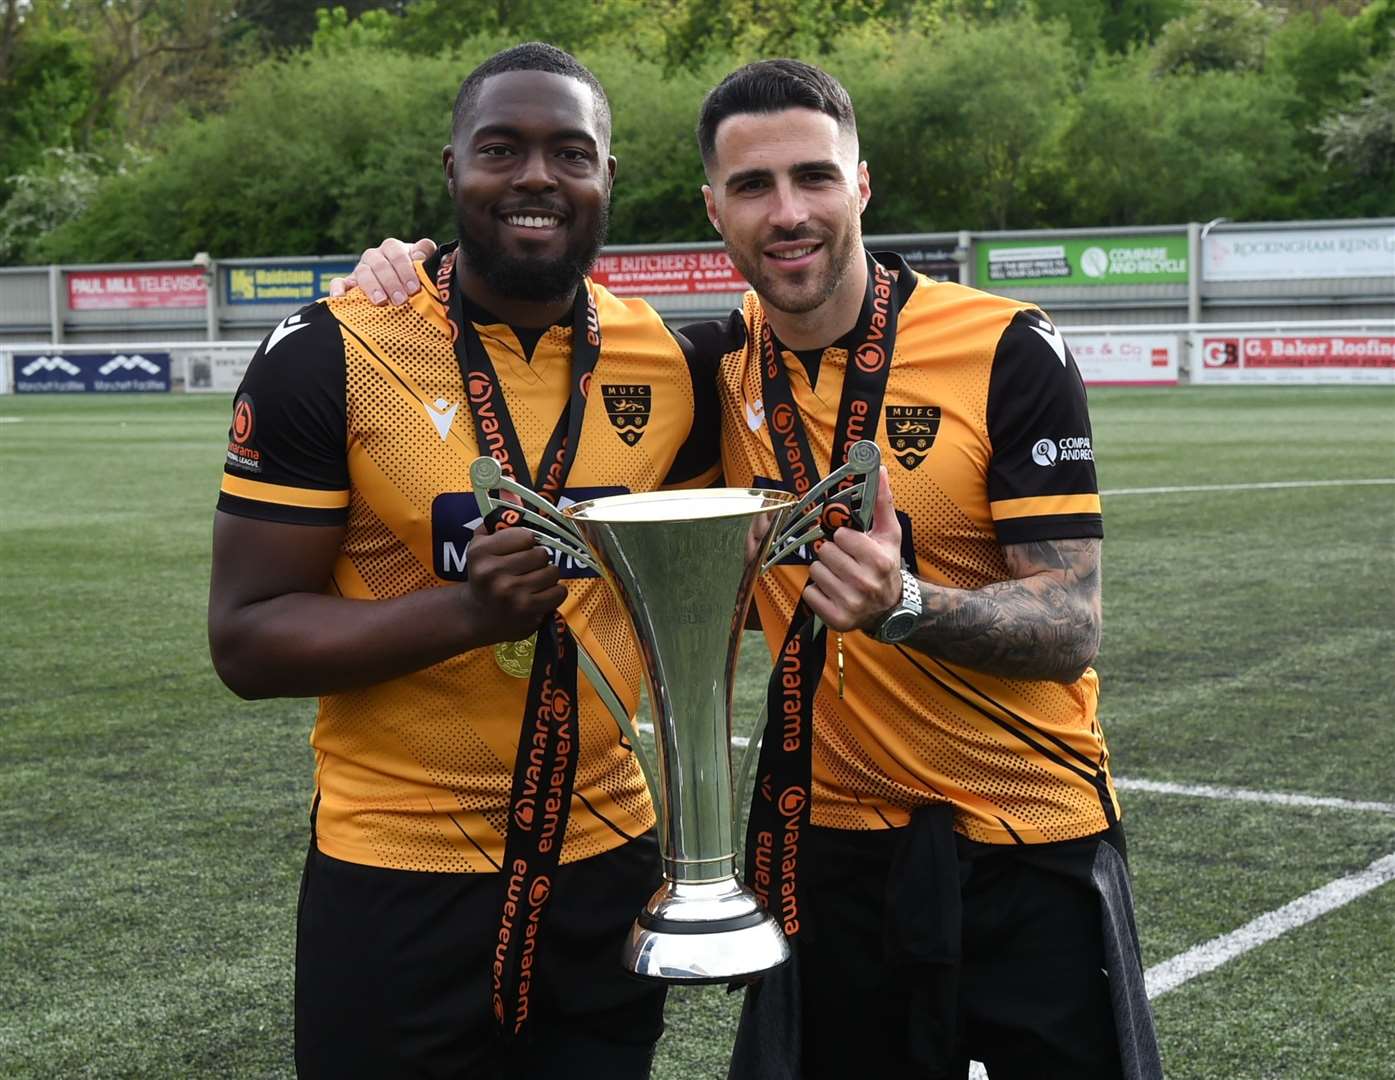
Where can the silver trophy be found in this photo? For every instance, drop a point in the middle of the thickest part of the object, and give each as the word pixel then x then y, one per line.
pixel 684 565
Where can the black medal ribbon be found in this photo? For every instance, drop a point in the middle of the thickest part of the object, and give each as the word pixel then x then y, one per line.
pixel 545 768
pixel 780 805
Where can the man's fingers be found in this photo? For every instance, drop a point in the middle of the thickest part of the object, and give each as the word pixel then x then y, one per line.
pixel 401 268
pixel 539 580
pixel 826 609
pixel 506 542
pixel 884 523
pixel 340 285
pixel 423 249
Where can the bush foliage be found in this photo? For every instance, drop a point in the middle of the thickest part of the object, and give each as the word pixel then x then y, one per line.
pixel 972 114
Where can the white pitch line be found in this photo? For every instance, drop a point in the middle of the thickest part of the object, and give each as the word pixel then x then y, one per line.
pixel 1275 798
pixel 1210 955
pixel 1207 957
pixel 1203 791
pixel 1246 487
pixel 11 419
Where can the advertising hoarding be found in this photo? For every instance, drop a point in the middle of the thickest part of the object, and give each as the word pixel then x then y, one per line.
pixel 115 290
pixel 216 370
pixel 281 283
pixel 1280 254
pixel 1126 359
pixel 1306 357
pixel 655 273
pixel 91 373
pixel 1086 260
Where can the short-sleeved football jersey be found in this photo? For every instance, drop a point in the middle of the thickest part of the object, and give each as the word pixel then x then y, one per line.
pixel 356 415
pixel 986 438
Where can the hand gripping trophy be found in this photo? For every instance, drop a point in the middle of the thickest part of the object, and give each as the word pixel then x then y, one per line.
pixel 684 566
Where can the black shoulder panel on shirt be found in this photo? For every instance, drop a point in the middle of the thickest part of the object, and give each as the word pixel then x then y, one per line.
pixel 289 417
pixel 705 343
pixel 1038 420
pixel 701 452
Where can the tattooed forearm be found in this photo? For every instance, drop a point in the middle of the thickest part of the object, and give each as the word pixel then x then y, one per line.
pixel 1044 623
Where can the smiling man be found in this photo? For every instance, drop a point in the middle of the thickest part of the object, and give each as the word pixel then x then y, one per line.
pixel 940 827
pixel 954 887
pixel 480 834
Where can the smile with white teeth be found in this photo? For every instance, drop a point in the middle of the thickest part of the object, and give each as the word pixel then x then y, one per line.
pixel 533 221
pixel 797 253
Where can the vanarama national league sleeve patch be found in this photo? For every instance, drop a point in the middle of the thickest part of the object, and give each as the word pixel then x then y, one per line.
pixel 1041 478
pixel 285 459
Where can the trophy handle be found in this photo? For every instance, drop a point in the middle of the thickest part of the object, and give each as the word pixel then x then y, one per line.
pixel 622 720
pixel 802 521
pixel 803 525
pixel 538 516
pixel 555 532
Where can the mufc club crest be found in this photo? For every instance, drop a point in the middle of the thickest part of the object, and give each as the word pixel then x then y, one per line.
pixel 628 405
pixel 911 431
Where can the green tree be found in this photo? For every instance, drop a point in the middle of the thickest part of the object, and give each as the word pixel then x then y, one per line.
pixel 1149 150
pixel 313 155
pixel 1216 35
pixel 957 124
pixel 1359 144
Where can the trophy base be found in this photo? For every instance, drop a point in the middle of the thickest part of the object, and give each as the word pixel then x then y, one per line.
pixel 713 932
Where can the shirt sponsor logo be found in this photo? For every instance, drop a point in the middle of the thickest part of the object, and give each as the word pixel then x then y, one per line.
pixel 911 431
pixel 1046 452
pixel 628 406
pixel 241 453
pixel 455 515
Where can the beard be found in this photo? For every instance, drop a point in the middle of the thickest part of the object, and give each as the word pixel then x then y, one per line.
pixel 815 286
pixel 534 279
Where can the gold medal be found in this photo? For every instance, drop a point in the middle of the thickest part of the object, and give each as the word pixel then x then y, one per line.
pixel 516 657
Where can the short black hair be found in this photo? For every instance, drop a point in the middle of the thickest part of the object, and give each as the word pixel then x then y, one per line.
pixel 531 56
pixel 770 86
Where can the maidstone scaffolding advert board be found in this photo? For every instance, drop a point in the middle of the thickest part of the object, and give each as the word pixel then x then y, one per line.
pixel 281 283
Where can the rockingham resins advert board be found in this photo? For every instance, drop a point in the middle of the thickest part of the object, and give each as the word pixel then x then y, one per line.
pixel 1085 260
pixel 1279 254
pixel 1306 357
pixel 1126 359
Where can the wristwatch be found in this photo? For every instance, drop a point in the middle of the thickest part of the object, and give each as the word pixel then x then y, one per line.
pixel 899 623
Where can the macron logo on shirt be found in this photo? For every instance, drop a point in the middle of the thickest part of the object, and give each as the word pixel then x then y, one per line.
pixel 1052 337
pixel 440 416
pixel 284 329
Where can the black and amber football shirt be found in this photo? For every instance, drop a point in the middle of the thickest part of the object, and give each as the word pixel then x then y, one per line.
pixel 355 415
pixel 986 438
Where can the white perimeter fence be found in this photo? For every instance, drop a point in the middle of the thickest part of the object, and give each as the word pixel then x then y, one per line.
pixel 1278 353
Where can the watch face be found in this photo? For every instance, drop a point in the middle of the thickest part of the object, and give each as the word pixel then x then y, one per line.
pixel 898 626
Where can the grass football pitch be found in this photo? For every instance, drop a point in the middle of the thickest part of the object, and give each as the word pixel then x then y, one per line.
pixel 153 825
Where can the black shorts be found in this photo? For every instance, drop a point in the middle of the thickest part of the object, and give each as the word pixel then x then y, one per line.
pixel 1031 1000
pixel 393 971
